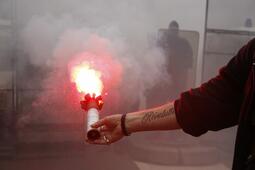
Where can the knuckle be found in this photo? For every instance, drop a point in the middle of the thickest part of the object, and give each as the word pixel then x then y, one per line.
pixel 107 120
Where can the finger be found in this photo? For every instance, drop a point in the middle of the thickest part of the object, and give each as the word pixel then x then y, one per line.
pixel 102 141
pixel 98 141
pixel 104 128
pixel 99 123
pixel 108 138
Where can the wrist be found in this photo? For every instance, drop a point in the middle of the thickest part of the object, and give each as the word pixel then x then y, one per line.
pixel 132 123
pixel 123 125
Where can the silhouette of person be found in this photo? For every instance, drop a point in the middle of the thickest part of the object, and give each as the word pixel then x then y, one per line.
pixel 248 23
pixel 178 54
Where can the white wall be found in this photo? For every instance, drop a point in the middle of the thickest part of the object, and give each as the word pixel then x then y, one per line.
pixel 230 14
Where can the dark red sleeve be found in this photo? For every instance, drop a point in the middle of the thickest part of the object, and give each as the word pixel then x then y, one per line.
pixel 216 104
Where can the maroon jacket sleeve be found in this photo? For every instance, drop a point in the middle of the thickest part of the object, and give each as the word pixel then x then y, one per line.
pixel 216 104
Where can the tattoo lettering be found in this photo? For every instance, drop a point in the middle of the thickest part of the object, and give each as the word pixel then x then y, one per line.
pixel 152 116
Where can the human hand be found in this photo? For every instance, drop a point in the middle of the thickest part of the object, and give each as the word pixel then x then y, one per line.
pixel 110 130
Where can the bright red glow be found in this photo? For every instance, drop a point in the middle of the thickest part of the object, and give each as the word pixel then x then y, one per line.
pixel 87 80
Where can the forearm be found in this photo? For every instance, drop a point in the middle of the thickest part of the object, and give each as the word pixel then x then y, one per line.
pixel 159 118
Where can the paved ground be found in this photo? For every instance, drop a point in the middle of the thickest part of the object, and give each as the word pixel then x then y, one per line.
pixel 81 164
pixel 63 149
pixel 146 166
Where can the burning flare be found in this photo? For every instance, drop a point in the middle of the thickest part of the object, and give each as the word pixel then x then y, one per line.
pixel 87 80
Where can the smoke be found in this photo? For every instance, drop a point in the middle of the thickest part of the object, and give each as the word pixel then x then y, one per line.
pixel 130 64
pixel 117 36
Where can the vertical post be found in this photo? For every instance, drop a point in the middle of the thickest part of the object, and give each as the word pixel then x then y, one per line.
pixel 202 46
pixel 13 113
pixel 205 38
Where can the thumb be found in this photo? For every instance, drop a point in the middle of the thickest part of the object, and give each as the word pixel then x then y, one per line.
pixel 99 123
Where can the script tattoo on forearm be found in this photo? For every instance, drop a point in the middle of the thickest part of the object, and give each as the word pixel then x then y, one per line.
pixel 155 115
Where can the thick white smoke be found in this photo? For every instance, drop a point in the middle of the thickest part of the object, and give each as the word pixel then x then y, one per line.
pixel 53 41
